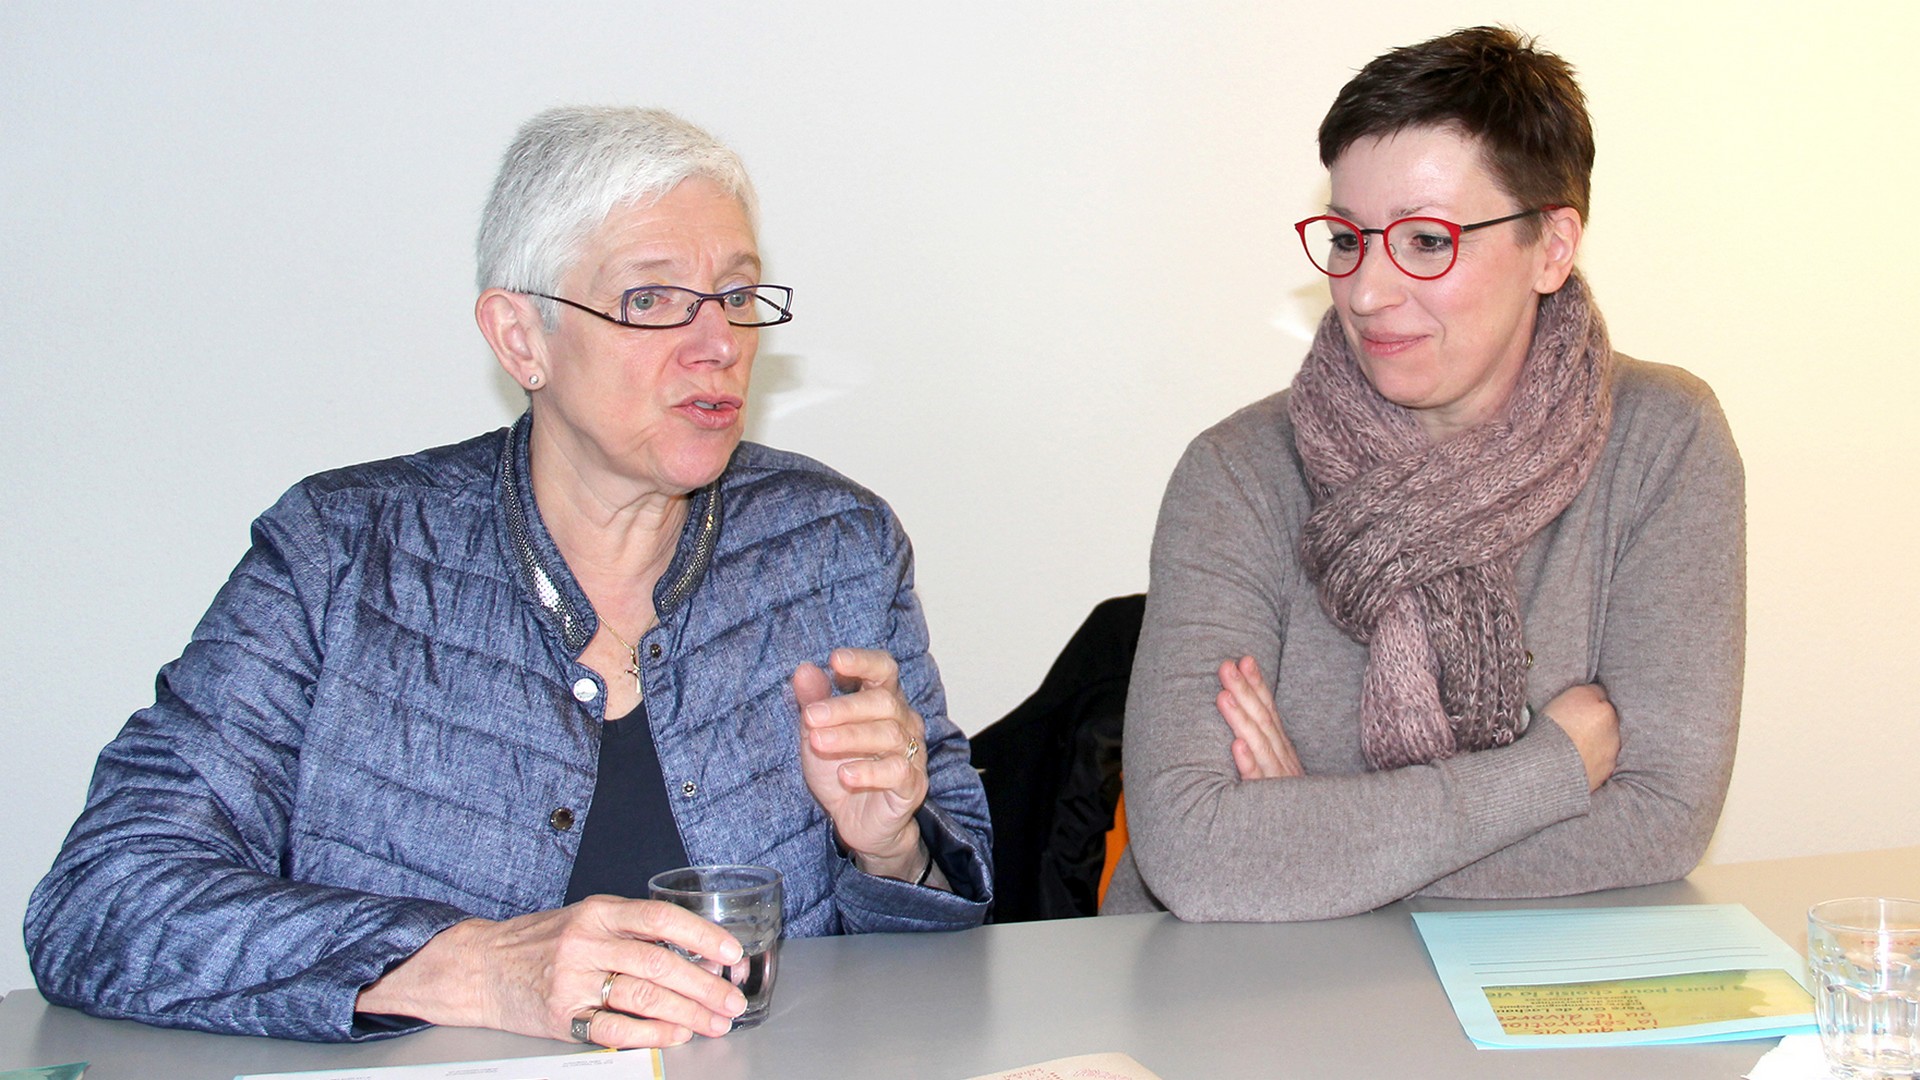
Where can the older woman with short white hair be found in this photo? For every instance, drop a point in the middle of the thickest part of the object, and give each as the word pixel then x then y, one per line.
pixel 453 710
pixel 1461 612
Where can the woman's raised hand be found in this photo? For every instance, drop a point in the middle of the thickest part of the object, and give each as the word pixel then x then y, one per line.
pixel 1261 749
pixel 603 960
pixel 863 757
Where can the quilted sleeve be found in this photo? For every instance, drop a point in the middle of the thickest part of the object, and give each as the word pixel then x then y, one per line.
pixel 954 818
pixel 168 902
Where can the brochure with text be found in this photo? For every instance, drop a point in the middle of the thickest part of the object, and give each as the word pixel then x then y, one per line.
pixel 1622 976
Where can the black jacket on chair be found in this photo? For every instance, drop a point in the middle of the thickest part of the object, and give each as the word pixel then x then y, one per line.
pixel 1051 768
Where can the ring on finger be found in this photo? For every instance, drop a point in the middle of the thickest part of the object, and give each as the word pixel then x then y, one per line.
pixel 913 749
pixel 606 988
pixel 582 1027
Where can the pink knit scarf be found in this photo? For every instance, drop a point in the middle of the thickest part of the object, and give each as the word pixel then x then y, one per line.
pixel 1413 543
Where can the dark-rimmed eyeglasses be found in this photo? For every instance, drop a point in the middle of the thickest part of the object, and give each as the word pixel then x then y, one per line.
pixel 663 307
pixel 1422 247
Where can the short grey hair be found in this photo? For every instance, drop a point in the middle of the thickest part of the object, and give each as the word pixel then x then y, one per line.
pixel 568 168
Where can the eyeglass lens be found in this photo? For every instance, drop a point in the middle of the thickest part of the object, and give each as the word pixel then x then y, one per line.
pixel 670 305
pixel 1422 247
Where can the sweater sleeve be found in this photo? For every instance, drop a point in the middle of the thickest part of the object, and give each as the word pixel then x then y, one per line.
pixel 1672 658
pixel 169 902
pixel 953 819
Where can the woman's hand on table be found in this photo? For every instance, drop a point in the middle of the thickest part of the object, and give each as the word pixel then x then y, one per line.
pixel 863 755
pixel 533 975
pixel 1589 719
pixel 1261 749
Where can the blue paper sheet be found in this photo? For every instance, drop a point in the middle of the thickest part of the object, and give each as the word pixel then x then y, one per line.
pixel 1617 976
pixel 48 1072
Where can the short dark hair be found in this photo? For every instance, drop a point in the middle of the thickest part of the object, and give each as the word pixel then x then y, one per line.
pixel 1521 103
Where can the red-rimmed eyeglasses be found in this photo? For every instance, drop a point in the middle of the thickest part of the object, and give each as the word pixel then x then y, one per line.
pixel 1422 247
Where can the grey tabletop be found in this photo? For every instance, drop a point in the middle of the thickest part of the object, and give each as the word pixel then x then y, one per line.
pixel 1346 997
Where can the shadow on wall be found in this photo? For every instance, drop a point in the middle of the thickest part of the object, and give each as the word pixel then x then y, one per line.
pixel 513 396
pixel 776 390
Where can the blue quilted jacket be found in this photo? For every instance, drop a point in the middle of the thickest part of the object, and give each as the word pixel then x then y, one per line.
pixel 376 726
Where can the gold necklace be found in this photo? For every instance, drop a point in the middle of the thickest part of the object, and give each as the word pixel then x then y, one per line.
pixel 633 656
pixel 633 648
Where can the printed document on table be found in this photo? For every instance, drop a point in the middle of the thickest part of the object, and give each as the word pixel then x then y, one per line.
pixel 1108 1066
pixel 591 1065
pixel 1618 976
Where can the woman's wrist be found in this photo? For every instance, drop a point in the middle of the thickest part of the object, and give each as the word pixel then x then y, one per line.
pixel 911 865
pixel 418 986
pixel 907 861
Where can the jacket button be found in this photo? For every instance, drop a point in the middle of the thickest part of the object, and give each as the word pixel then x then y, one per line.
pixel 561 819
pixel 687 789
pixel 653 650
pixel 585 691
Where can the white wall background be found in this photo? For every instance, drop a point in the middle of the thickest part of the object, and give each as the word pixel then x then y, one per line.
pixel 1037 247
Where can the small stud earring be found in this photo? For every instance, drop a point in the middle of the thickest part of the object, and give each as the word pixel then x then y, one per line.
pixel 533 380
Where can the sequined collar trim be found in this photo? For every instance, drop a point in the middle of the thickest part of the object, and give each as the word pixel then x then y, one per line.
pixel 546 574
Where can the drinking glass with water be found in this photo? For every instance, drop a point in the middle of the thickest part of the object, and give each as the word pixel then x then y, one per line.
pixel 745 901
pixel 1864 953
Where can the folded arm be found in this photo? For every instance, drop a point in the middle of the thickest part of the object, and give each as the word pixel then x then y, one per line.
pixel 1672 659
pixel 1512 821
